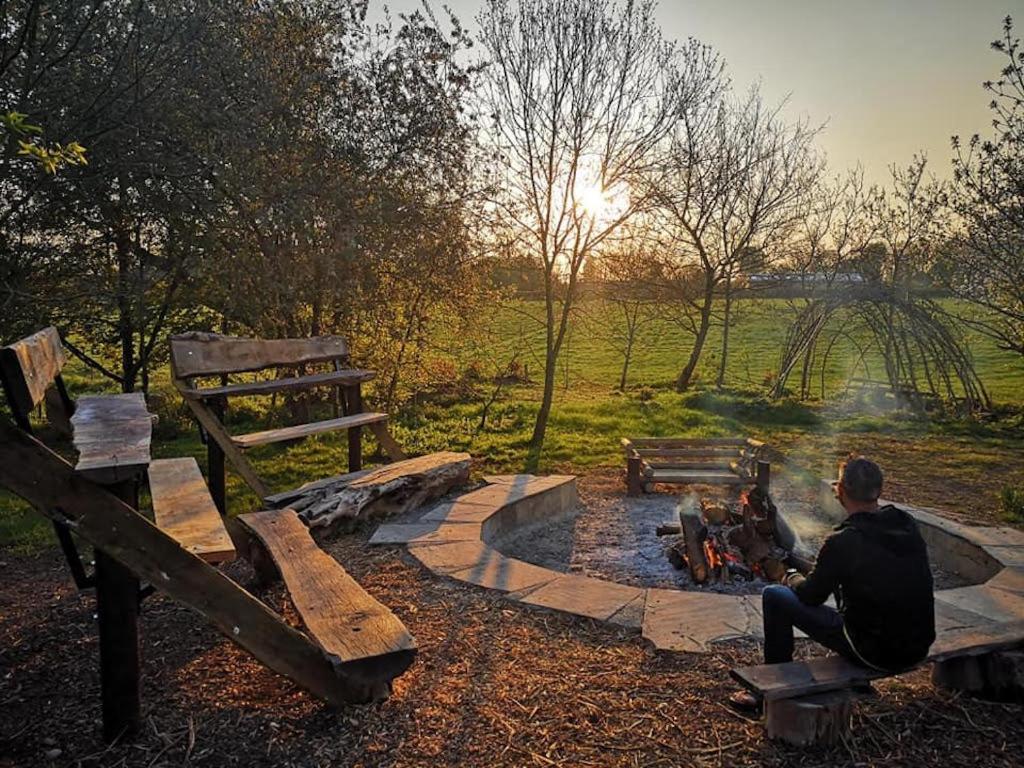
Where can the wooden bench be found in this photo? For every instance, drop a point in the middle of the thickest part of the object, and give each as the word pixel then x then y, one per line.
pixel 694 461
pixel 196 357
pixel 363 639
pixel 111 435
pixel 312 658
pixel 810 702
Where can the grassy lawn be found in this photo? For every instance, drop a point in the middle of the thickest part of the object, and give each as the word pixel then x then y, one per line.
pixel 956 464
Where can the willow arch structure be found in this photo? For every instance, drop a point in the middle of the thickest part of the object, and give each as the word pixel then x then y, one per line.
pixel 923 356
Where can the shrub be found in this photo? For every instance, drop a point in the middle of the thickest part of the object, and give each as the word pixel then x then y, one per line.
pixel 1011 504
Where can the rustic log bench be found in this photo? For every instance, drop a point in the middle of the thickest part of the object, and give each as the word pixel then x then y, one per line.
pixel 364 639
pixel 693 461
pixel 196 357
pixel 811 702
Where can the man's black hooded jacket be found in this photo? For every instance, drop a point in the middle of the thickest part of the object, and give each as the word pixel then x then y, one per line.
pixel 876 563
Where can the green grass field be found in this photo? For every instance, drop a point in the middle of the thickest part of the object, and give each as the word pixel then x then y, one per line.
pixel 590 416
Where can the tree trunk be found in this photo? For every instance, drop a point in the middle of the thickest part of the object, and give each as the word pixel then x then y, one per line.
pixel 686 375
pixel 540 426
pixel 631 326
pixel 725 333
pixel 553 345
pixel 125 326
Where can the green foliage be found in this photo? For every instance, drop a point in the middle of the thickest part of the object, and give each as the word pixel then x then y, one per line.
pixel 50 157
pixel 1011 504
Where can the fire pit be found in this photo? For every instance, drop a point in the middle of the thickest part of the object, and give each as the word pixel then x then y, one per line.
pixel 721 542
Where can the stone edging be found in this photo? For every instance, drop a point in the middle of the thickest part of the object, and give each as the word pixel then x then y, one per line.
pixel 455 540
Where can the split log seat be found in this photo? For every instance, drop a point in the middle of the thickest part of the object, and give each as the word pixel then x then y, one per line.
pixel 184 509
pixel 808 702
pixel 363 639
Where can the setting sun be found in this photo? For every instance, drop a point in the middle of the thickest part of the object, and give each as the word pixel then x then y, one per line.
pixel 601 203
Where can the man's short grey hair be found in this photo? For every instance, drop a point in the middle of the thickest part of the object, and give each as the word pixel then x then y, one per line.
pixel 862 479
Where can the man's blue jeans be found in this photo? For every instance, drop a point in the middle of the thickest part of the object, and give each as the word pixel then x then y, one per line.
pixel 782 611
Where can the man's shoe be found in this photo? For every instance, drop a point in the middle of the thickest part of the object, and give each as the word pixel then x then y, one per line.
pixel 746 702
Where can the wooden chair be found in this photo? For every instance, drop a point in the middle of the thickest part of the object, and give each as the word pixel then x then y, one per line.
pixel 198 356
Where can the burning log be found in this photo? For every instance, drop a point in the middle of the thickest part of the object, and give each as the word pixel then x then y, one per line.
pixel 676 554
pixel 694 536
pixel 668 529
pixel 719 543
pixel 715 512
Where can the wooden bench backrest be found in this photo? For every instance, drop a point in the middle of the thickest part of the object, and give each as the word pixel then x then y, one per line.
pixel 29 367
pixel 210 354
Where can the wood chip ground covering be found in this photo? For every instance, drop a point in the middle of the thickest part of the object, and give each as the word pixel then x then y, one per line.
pixel 494 684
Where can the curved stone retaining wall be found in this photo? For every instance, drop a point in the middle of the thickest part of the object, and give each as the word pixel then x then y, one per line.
pixel 457 540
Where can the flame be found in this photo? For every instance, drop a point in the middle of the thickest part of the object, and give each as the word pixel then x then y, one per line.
pixel 711 553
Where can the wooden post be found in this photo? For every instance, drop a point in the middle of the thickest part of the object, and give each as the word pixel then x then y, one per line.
pixel 117 607
pixel 354 405
pixel 634 481
pixel 215 462
pixel 821 719
pixel 764 475
pixel 998 675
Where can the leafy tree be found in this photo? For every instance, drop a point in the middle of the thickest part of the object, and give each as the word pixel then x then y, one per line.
pixel 988 197
pixel 581 95
pixel 735 181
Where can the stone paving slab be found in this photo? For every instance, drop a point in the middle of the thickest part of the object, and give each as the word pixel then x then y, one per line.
pixel 460 512
pixel 449 532
pixel 505 574
pixel 691 621
pixel 584 596
pixel 994 604
pixel 508 479
pixel 995 536
pixel 950 617
pixel 506 493
pixel 456 556
pixel 1009 579
pixel 401 533
pixel 1008 557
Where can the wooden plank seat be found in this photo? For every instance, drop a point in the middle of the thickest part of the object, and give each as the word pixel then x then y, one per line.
pixel 300 431
pixel 198 356
pixel 829 673
pixel 345 377
pixel 809 702
pixel 112 434
pixel 363 639
pixel 183 508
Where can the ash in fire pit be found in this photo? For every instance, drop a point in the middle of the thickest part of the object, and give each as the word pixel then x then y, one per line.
pixel 721 542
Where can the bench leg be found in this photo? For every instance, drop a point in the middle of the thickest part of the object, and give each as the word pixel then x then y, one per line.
pixel 998 675
pixel 822 719
pixel 117 608
pixel 354 405
pixel 215 464
pixel 634 483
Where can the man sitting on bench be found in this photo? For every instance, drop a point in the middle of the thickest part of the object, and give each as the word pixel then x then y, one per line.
pixel 876 564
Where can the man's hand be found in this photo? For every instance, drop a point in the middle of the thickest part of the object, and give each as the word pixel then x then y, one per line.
pixel 792 578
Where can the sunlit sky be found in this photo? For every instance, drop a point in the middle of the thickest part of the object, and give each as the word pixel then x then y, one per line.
pixel 889 77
